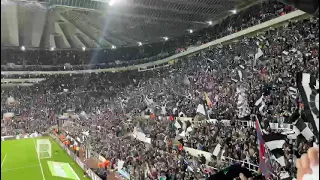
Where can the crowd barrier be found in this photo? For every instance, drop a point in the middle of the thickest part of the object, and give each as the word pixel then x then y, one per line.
pixel 120 172
pixel 207 155
pixel 6 138
pixel 247 123
pixel 20 136
pixel 243 123
pixel 90 173
pixel 246 164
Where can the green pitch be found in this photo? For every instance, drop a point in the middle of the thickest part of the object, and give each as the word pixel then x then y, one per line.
pixel 19 160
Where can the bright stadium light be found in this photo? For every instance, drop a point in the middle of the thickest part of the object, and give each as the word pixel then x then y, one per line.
pixel 165 38
pixel 23 48
pixel 114 2
pixel 113 47
pixel 52 49
pixel 234 11
pixel 190 31
pixel 3 1
pixel 111 3
pixel 83 48
pixel 210 23
pixel 139 43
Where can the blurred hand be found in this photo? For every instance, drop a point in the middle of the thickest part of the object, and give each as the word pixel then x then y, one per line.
pixel 307 160
pixel 242 177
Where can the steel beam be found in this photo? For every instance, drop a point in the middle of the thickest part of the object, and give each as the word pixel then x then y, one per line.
pixel 9 24
pixel 166 6
pixel 85 29
pixel 89 40
pixel 113 13
pixel 227 4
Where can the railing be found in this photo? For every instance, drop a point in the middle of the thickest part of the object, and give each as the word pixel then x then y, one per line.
pixel 90 173
pixel 6 138
pixel 246 164
pixel 20 136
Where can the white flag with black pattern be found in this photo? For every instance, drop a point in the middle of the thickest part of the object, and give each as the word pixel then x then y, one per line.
pixel 293 92
pixel 286 176
pixel 183 127
pixel 243 109
pixel 260 103
pixel 275 142
pixel 300 127
pixel 308 87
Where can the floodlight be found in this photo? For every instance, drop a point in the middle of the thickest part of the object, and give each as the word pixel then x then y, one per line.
pixel 111 2
pixel 23 48
pixel 165 38
pixel 190 31
pixel 113 47
pixel 3 1
pixel 83 48
pixel 52 49
pixel 210 23
pixel 234 11
pixel 140 43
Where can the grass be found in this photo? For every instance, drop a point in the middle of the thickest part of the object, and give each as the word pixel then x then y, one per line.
pixel 19 160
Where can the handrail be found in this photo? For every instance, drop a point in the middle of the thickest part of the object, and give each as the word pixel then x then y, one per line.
pixel 233 36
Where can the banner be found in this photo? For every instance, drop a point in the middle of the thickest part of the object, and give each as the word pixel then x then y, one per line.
pixel 140 136
pixel 124 174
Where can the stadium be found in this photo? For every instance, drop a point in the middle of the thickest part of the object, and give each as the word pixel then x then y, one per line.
pixel 159 89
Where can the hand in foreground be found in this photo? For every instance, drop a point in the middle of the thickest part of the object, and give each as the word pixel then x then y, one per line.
pixel 307 164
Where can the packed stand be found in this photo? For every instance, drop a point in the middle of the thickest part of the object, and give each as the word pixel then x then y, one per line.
pixel 32 59
pixel 113 100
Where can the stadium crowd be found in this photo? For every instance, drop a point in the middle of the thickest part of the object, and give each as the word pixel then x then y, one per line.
pixel 111 106
pixel 59 59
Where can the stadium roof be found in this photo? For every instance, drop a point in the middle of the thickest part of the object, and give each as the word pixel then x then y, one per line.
pixel 108 23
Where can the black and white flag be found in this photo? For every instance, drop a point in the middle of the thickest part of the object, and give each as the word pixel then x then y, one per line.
pixel 286 176
pixel 239 75
pixel 183 127
pixel 293 92
pixel 260 103
pixel 243 109
pixel 308 87
pixel 300 127
pixel 275 142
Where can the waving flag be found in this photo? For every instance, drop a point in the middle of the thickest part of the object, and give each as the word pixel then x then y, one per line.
pixel 302 128
pixel 200 109
pixel 183 127
pixel 243 109
pixel 308 87
pixel 209 103
pixel 264 163
pixel 274 142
